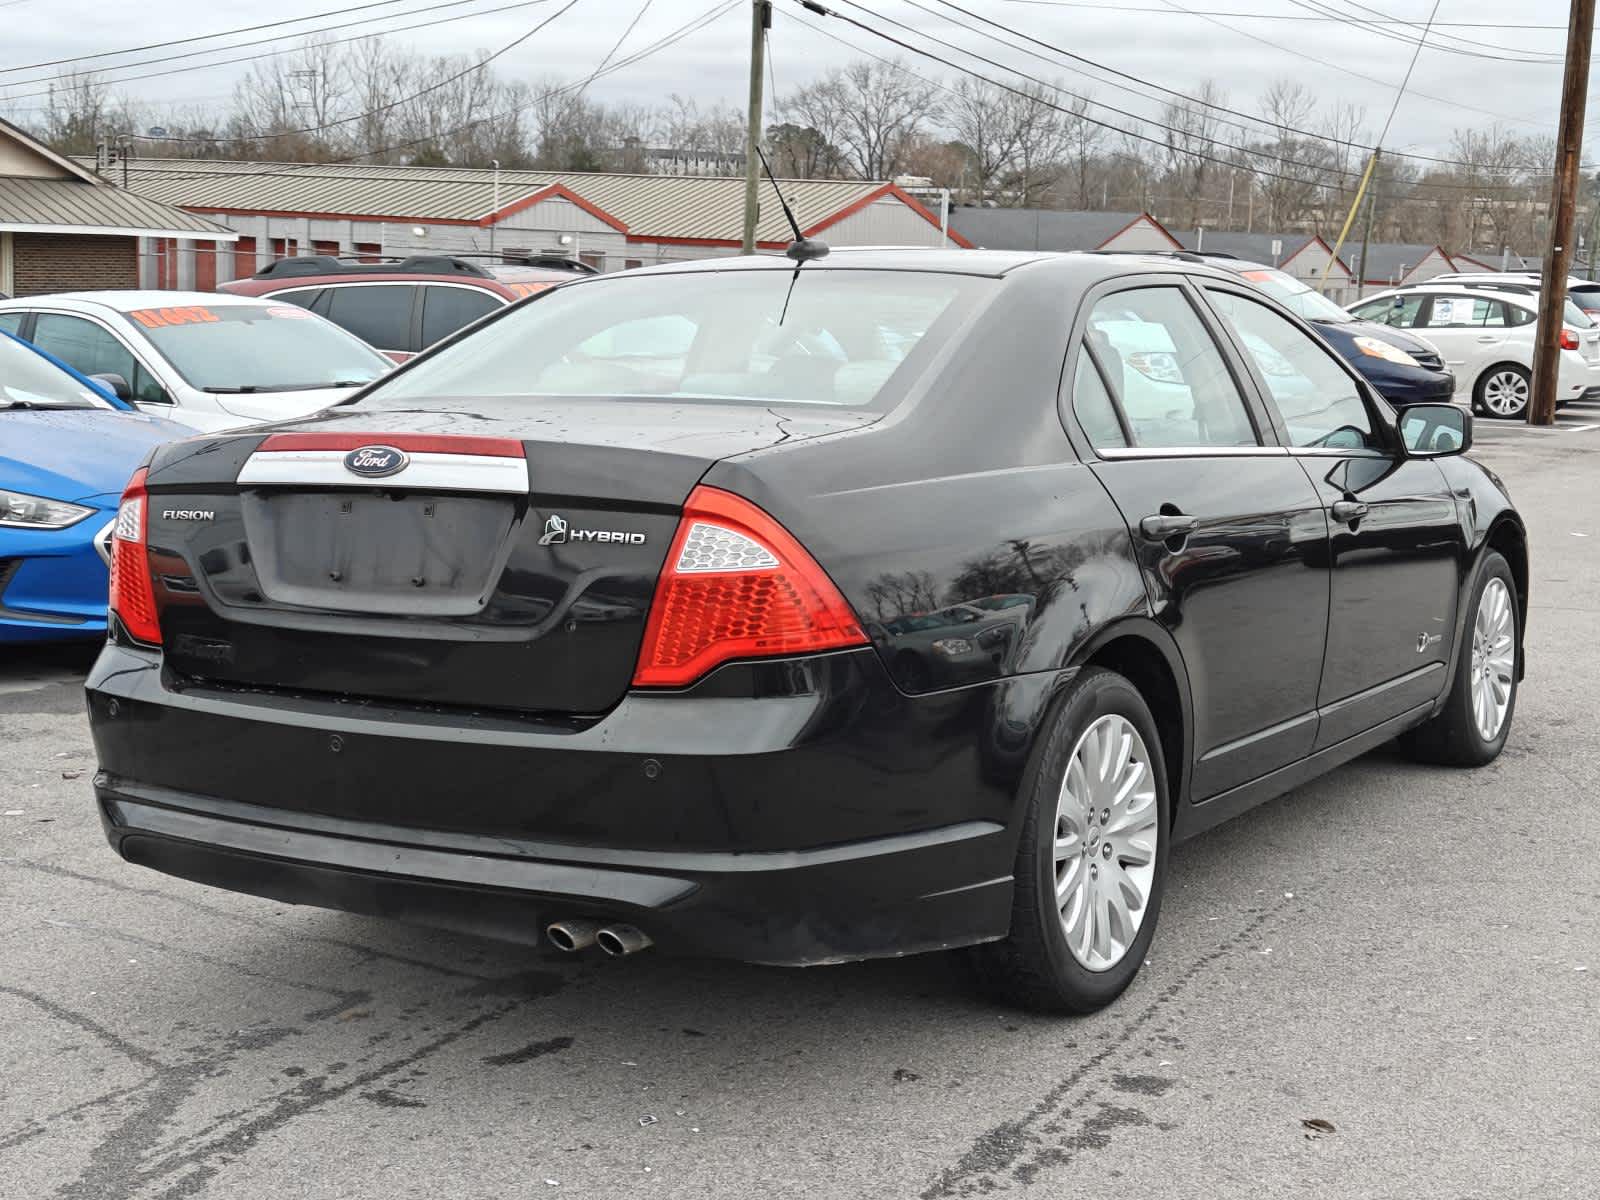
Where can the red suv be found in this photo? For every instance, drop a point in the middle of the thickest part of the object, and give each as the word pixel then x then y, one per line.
pixel 403 306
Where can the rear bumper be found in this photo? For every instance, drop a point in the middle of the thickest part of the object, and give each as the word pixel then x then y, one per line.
pixel 821 815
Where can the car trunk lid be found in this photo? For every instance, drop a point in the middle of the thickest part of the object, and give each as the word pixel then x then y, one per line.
pixel 504 559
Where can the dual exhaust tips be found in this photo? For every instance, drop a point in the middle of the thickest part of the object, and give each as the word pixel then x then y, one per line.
pixel 615 940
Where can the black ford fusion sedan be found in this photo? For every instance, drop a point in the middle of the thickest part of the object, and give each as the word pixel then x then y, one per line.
pixel 583 625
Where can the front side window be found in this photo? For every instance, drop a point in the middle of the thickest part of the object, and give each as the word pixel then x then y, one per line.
pixel 11 322
pixel 268 347
pixel 1320 403
pixel 1400 311
pixel 817 335
pixel 1169 378
pixel 83 345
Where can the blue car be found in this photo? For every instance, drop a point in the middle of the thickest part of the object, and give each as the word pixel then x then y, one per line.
pixel 67 449
pixel 1404 368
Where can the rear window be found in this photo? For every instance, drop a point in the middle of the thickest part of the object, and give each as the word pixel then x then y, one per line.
pixel 813 336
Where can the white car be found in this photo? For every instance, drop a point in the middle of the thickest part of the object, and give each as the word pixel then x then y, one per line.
pixel 205 360
pixel 1485 332
pixel 1585 293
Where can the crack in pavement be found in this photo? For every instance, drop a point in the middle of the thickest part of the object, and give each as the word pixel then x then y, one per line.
pixel 1019 1146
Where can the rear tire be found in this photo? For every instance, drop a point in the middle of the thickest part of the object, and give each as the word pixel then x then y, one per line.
pixel 1484 689
pixel 1502 391
pixel 1092 861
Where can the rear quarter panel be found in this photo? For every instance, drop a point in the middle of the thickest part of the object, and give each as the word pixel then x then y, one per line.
pixel 969 493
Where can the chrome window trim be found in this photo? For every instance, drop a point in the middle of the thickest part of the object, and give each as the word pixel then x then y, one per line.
pixel 1116 452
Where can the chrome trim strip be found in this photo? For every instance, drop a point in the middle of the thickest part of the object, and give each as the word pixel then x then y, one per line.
pixel 429 471
pixel 1193 452
pixel 102 541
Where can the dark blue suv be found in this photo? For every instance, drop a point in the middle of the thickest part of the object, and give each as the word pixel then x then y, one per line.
pixel 1404 368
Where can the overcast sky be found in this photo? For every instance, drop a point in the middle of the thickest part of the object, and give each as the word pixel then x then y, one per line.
pixel 1448 90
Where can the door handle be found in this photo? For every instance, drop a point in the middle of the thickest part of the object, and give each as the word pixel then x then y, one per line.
pixel 1488 337
pixel 1163 526
pixel 1348 511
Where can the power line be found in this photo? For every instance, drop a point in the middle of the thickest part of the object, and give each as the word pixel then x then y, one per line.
pixel 1379 17
pixel 206 66
pixel 201 37
pixel 1274 127
pixel 1322 62
pixel 1355 21
pixel 1404 83
pixel 1226 146
pixel 1261 16
pixel 1131 134
pixel 431 88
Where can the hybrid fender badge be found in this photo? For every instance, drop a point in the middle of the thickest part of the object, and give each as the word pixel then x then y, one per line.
pixel 1425 640
pixel 557 532
pixel 375 462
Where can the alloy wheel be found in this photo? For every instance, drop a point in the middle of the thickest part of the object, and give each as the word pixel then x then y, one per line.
pixel 1505 394
pixel 1493 659
pixel 1106 831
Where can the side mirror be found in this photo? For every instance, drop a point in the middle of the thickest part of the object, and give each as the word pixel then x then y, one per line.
pixel 116 385
pixel 1435 430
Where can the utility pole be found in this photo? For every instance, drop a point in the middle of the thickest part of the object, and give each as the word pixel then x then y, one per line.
pixel 1563 206
pixel 1366 230
pixel 760 22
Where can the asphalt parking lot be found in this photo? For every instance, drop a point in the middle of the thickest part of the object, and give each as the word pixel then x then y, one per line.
pixel 1408 957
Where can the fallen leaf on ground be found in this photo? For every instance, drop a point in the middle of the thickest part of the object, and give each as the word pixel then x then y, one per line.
pixel 1318 1125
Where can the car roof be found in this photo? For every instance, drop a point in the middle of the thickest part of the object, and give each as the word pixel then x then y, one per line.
pixel 129 301
pixel 253 285
pixel 1082 267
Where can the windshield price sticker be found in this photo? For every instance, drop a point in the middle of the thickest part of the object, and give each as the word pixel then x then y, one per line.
pixel 289 312
pixel 157 318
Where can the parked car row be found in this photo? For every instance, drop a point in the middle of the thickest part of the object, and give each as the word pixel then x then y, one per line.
pixel 1484 327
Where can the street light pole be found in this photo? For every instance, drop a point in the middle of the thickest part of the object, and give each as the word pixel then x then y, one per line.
pixel 760 22
pixel 1563 207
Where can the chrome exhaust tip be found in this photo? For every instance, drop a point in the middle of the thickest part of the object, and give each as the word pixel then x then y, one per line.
pixel 618 940
pixel 572 936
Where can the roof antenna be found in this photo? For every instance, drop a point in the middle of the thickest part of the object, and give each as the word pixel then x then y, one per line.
pixel 802 249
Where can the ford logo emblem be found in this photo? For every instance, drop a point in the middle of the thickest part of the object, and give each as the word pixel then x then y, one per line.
pixel 374 462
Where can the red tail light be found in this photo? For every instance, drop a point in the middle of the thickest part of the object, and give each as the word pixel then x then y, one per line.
pixel 737 585
pixel 1569 340
pixel 133 598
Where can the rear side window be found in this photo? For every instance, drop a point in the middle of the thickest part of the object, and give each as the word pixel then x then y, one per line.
pixel 378 314
pixel 1321 405
pixel 1466 312
pixel 447 309
pixel 1097 413
pixel 1168 377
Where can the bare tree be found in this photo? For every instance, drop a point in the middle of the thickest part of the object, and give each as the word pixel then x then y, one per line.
pixel 1191 142
pixel 984 119
pixel 873 111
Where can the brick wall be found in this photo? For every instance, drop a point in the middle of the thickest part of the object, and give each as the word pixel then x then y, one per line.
pixel 69 262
